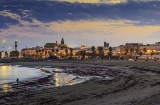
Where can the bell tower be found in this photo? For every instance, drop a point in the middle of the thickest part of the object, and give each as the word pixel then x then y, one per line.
pixel 16 45
pixel 62 41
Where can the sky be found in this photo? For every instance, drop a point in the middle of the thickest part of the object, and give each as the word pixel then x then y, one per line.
pixel 80 22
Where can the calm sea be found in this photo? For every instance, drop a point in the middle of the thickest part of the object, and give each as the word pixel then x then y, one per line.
pixel 9 74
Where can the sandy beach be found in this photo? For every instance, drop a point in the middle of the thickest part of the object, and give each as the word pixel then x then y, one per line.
pixel 130 83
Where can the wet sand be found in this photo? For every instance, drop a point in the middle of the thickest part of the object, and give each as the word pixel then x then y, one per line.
pixel 132 83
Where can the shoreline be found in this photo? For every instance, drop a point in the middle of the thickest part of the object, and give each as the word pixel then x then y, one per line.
pixel 133 83
pixel 33 83
pixel 26 81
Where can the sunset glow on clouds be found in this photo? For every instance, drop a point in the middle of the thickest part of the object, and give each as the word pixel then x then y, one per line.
pixel 95 1
pixel 84 32
pixel 80 23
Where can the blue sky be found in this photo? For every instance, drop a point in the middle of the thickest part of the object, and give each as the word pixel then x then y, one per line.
pixel 90 22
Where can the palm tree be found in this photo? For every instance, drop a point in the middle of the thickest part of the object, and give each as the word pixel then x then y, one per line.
pixel 110 52
pixel 45 52
pixel 16 54
pixel 50 53
pixel 126 51
pixel 36 51
pixel 83 54
pixel 66 51
pixel 78 53
pixel 93 51
pixel 6 54
pixel 131 51
pixel 36 55
pixel 100 50
pixel 144 50
pixel 71 52
pixel 140 53
pixel 57 50
pixel 151 54
pixel 137 51
pixel 40 55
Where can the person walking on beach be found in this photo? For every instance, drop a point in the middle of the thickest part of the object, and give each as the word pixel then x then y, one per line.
pixel 17 80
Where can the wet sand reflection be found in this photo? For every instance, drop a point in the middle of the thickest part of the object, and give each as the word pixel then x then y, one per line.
pixel 7 88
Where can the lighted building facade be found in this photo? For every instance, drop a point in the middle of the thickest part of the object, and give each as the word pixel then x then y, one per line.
pixel 138 49
pixel 130 48
pixel 49 49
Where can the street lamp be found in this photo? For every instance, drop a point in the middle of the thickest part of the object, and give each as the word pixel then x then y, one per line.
pixel 134 54
pixel 2 52
pixel 151 54
pixel 9 48
pixel 3 41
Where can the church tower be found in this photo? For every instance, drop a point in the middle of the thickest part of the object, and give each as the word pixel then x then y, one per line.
pixel 106 44
pixel 62 41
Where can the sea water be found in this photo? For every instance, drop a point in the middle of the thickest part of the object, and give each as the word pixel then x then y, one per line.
pixel 9 74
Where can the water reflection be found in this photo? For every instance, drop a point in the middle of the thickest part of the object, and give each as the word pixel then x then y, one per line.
pixel 7 88
pixel 9 74
pixel 62 79
pixel 6 71
pixel 3 70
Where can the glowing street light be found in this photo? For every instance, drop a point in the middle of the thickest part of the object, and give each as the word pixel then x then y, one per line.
pixel 3 41
pixel 9 48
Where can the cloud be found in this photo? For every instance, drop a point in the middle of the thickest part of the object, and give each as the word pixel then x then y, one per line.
pixel 101 1
pixel 120 30
pixel 11 36
pixel 79 23
pixel 18 13
pixel 89 32
pixel 95 1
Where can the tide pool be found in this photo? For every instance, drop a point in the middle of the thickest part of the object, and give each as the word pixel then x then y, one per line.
pixel 9 74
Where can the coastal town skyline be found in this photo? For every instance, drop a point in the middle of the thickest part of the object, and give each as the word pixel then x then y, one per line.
pixel 12 47
pixel 79 22
pixel 79 52
pixel 63 51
